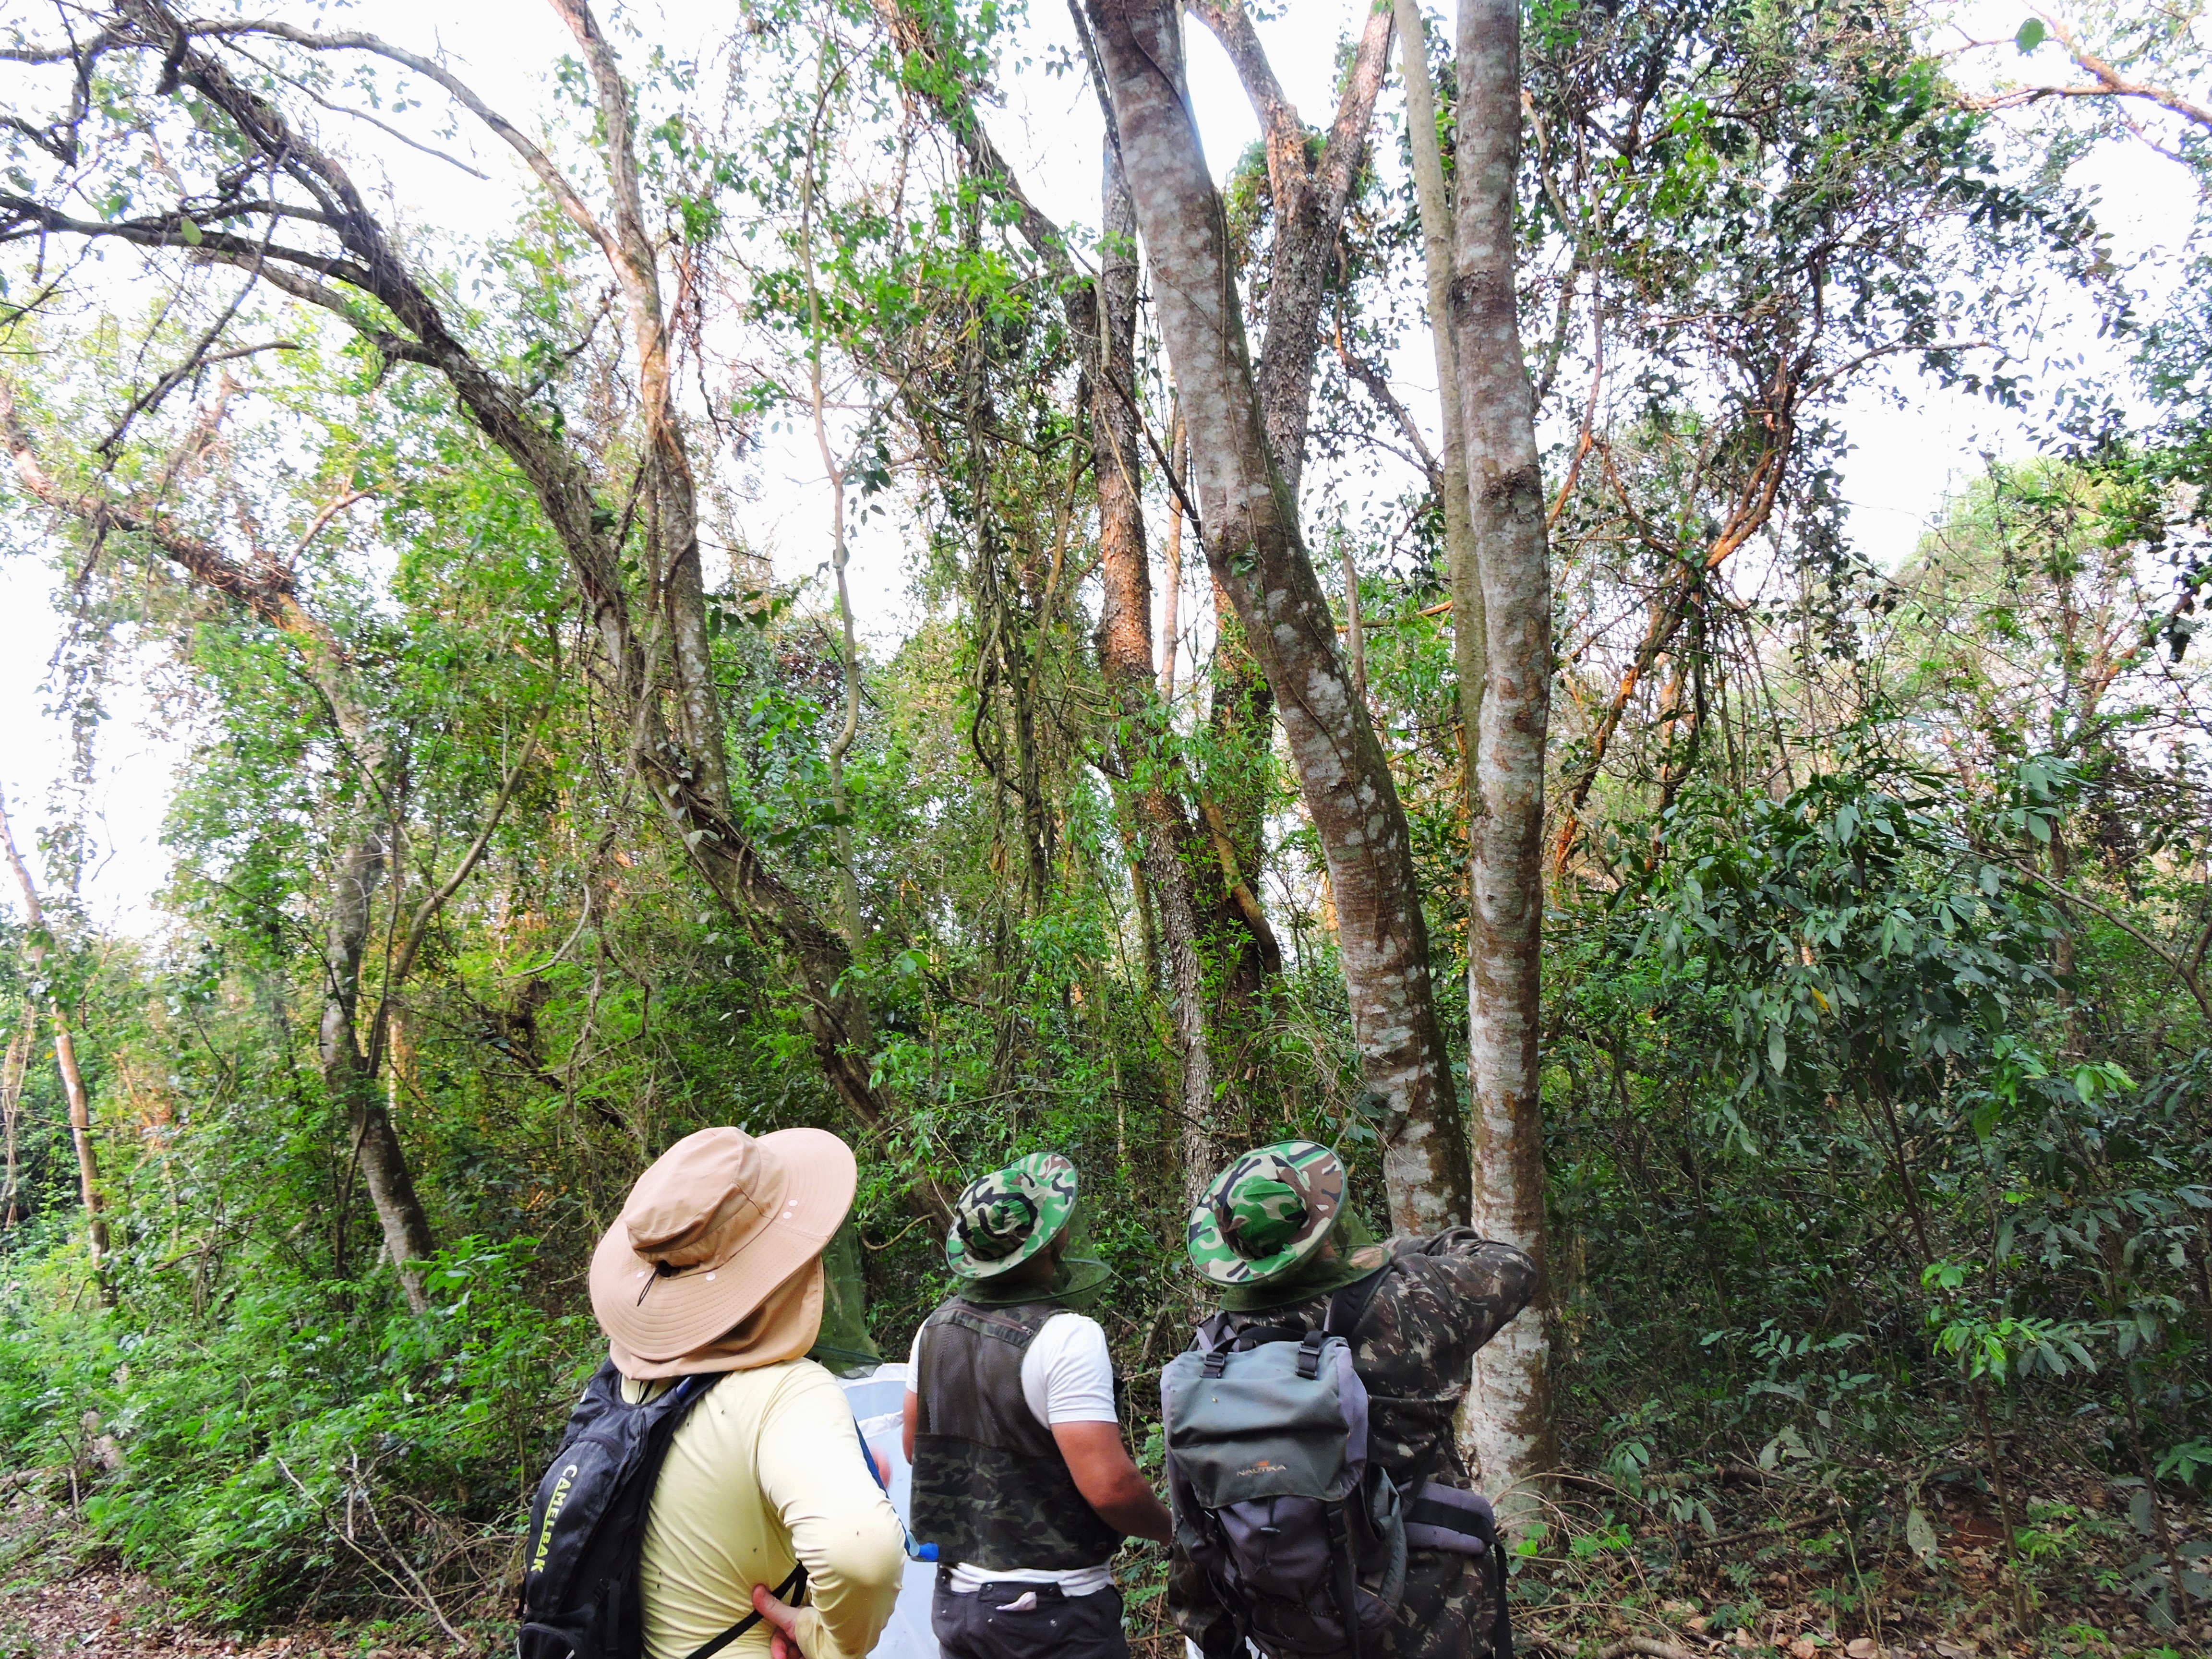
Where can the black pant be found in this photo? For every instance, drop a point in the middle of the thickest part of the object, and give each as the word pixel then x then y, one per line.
pixel 1050 1625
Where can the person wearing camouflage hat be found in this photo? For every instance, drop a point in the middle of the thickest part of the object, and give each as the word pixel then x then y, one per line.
pixel 1274 1235
pixel 1020 1476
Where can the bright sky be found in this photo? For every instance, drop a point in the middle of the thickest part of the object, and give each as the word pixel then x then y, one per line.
pixel 1906 458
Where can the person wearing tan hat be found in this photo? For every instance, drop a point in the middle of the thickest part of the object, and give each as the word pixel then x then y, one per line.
pixel 1020 1476
pixel 715 1267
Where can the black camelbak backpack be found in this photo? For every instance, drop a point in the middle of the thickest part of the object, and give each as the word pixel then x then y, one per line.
pixel 579 1582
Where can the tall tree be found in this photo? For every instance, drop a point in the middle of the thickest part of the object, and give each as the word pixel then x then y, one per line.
pixel 1309 187
pixel 1511 1407
pixel 1143 744
pixel 652 639
pixel 1256 549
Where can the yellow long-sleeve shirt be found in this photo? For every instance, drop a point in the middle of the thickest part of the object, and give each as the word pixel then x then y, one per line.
pixel 764 1473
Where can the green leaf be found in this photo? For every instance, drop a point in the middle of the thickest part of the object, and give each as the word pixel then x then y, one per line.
pixel 190 231
pixel 2031 34
pixel 1920 1537
pixel 2139 1512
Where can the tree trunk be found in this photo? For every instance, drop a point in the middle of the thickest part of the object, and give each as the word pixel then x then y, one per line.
pixel 1510 1407
pixel 1252 544
pixel 1125 652
pixel 88 1163
pixel 372 1143
pixel 80 1102
pixel 1311 193
pixel 1470 650
pixel 1171 600
pixel 11 1110
pixel 1309 199
pixel 676 572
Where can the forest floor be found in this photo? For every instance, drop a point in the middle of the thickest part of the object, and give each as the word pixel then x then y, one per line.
pixel 1789 1590
pixel 58 1597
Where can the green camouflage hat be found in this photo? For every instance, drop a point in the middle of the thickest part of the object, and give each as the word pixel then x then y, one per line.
pixel 1008 1216
pixel 1266 1212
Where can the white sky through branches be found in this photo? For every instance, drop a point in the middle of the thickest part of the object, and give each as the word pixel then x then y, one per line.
pixel 1912 441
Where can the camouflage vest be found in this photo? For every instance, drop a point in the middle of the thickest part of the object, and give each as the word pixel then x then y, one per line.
pixel 990 1486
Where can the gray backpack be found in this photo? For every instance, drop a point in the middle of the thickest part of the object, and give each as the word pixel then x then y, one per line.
pixel 1303 1540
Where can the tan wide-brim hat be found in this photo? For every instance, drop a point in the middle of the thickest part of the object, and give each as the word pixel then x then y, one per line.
pixel 712 1229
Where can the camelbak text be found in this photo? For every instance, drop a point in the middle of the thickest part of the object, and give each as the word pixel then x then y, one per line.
pixel 552 1514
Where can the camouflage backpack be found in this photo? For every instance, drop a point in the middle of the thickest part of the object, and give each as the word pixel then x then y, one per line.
pixel 1302 1537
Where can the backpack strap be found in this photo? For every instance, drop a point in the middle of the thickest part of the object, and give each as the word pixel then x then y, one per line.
pixel 1345 1310
pixel 1501 1623
pixel 1347 1577
pixel 792 1589
pixel 1349 1305
pixel 1217 1341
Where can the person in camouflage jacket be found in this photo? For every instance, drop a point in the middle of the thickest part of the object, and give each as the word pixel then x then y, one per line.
pixel 1267 1234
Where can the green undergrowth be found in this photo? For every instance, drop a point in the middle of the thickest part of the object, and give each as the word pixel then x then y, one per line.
pixel 302 1444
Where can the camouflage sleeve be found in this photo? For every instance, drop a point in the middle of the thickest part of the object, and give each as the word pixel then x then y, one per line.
pixel 1473 1285
pixel 1191 1602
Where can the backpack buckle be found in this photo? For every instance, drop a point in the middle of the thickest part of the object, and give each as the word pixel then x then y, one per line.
pixel 1310 1354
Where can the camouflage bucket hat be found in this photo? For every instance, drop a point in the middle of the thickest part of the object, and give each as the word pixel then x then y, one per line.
pixel 1006 1216
pixel 1266 1212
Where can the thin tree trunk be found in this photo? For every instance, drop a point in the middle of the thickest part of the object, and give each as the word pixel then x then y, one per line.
pixel 2149 1472
pixel 1141 884
pixel 1254 547
pixel 373 1144
pixel 1171 600
pixel 1310 195
pixel 2061 947
pixel 80 1102
pixel 11 1109
pixel 1470 649
pixel 2023 1609
pixel 1355 634
pixel 1234 793
pixel 1511 1403
pixel 1125 651
pixel 633 257
pixel 849 656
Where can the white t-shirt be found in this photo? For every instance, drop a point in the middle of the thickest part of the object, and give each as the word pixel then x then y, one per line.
pixel 1068 1376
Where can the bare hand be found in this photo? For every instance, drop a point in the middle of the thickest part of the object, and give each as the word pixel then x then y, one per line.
pixel 784 1619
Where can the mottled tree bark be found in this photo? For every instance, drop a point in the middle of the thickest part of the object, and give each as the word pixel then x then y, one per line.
pixel 373 1145
pixel 1310 198
pixel 1309 194
pixel 1254 547
pixel 1510 1408
pixel 1469 647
